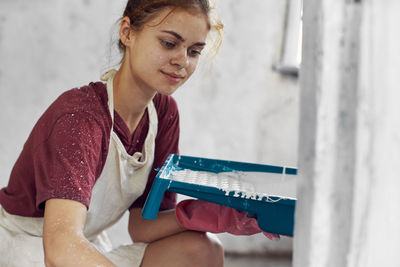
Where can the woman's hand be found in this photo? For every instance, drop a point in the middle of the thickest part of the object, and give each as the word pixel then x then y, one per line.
pixel 63 239
pixel 147 231
pixel 200 215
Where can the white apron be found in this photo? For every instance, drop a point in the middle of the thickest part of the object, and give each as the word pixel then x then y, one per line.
pixel 121 182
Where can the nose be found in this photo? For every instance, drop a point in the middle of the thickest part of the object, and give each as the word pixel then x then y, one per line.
pixel 180 58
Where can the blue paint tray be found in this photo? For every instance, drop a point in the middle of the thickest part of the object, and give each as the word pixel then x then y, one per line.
pixel 266 192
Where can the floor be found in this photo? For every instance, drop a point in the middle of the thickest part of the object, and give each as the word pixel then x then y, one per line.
pixel 256 261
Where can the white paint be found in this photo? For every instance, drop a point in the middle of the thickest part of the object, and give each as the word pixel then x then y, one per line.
pixel 252 185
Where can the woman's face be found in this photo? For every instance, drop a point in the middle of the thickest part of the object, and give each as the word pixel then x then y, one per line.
pixel 165 53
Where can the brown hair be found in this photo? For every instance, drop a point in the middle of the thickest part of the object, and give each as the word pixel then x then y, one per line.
pixel 141 11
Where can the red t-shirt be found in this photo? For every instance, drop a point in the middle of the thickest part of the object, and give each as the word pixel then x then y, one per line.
pixel 67 149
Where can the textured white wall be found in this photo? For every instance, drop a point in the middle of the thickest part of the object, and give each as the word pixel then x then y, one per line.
pixel 347 210
pixel 236 108
pixel 327 132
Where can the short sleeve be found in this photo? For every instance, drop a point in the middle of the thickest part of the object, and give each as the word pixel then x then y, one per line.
pixel 167 142
pixel 68 162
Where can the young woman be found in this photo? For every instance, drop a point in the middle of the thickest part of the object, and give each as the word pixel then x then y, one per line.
pixel 93 154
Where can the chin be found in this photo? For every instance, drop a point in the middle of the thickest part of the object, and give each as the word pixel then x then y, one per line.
pixel 167 91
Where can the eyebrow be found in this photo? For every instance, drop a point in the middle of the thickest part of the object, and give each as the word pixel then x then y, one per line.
pixel 180 38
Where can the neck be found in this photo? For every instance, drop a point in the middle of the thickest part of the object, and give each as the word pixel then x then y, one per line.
pixel 130 100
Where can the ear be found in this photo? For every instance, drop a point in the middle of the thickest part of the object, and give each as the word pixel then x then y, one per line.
pixel 125 31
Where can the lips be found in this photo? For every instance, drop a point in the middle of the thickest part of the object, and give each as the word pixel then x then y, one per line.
pixel 173 77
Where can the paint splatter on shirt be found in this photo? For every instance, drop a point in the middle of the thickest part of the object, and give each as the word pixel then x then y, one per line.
pixel 67 149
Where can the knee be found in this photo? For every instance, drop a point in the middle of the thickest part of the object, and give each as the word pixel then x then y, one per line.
pixel 200 247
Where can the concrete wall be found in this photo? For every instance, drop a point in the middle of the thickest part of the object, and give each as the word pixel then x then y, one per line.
pixel 235 108
pixel 347 209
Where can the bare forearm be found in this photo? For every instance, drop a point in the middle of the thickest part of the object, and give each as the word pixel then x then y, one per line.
pixel 142 230
pixel 73 250
pixel 63 240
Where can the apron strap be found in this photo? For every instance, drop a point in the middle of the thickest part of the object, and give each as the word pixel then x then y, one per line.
pixel 138 159
pixel 109 78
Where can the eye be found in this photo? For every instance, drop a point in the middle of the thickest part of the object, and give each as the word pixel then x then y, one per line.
pixel 194 52
pixel 167 44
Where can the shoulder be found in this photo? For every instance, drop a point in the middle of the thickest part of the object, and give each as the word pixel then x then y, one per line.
pixel 90 100
pixel 77 107
pixel 85 98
